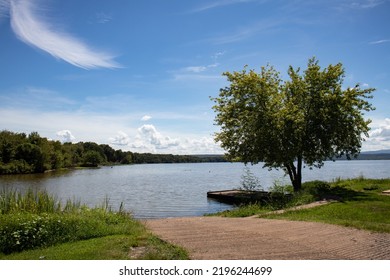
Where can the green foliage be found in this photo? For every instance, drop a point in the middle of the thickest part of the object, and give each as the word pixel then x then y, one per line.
pixel 285 124
pixel 36 224
pixel 92 159
pixel 36 219
pixel 27 231
pixel 34 154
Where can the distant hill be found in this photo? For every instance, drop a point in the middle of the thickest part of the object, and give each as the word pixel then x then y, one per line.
pixel 377 152
pixel 371 155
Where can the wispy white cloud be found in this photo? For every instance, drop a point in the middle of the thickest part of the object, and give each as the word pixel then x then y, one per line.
pixel 146 118
pixel 379 42
pixel 198 69
pixel 220 3
pixel 196 77
pixel 35 97
pixel 366 4
pixel 247 31
pixel 202 68
pixel 4 8
pixel 195 69
pixel 102 17
pixel 32 29
pixel 347 5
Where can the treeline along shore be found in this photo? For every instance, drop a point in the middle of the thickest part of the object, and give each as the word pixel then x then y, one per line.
pixel 21 153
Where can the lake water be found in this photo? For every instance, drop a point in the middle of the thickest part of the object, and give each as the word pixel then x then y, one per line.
pixel 171 190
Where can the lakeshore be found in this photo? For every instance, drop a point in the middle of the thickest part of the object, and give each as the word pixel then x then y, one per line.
pixel 355 227
pixel 174 190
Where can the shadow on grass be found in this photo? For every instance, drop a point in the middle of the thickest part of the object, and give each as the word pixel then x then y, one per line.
pixel 322 190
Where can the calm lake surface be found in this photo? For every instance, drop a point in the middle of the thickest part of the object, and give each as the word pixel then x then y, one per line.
pixel 172 190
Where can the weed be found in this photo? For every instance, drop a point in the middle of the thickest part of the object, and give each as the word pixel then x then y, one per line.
pixel 249 181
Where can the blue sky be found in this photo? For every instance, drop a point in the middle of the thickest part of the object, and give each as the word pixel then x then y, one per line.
pixel 138 74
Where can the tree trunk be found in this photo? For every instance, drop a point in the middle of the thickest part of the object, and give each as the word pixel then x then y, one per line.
pixel 295 174
pixel 298 179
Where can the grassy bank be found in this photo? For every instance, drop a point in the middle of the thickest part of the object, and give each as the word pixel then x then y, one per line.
pixel 36 225
pixel 358 203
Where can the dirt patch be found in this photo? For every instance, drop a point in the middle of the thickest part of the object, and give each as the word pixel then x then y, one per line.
pixel 137 252
pixel 209 238
pixel 386 192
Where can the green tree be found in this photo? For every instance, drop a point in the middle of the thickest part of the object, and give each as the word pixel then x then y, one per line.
pixel 8 143
pixel 287 124
pixel 92 158
pixel 32 154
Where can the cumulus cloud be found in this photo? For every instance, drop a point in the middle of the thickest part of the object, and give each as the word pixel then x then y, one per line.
pixel 203 145
pixel 99 129
pixel 146 118
pixel 66 136
pixel 121 139
pixel 150 136
pixel 33 30
pixel 379 136
pixel 382 132
pixel 149 139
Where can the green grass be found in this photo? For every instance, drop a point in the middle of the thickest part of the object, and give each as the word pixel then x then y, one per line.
pixel 242 211
pixel 360 204
pixel 37 226
pixel 112 247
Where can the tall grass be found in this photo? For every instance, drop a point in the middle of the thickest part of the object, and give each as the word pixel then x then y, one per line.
pixel 35 202
pixel 35 219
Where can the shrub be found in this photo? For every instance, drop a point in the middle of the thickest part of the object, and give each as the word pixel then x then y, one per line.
pixel 36 219
pixel 249 181
pixel 16 167
pixel 318 189
pixel 20 232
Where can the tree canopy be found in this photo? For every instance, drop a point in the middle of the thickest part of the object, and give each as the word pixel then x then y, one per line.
pixel 305 120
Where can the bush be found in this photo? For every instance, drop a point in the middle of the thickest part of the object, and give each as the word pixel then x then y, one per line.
pixel 20 232
pixel 37 219
pixel 16 167
pixel 318 189
pixel 249 181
